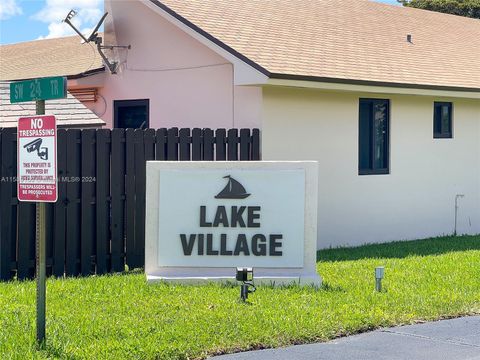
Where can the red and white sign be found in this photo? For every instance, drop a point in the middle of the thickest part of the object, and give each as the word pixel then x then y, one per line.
pixel 37 158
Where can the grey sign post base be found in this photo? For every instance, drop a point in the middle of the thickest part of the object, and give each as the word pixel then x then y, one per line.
pixel 40 256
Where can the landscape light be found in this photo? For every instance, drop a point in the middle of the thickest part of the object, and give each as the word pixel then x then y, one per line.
pixel 245 275
pixel 379 273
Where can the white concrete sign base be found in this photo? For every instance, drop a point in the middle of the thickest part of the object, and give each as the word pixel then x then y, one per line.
pixel 204 219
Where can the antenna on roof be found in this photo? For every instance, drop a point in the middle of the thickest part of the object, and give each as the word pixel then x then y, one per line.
pixel 112 66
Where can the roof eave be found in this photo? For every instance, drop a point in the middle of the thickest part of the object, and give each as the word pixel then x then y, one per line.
pixel 372 83
pixel 378 87
pixel 86 73
pixel 69 77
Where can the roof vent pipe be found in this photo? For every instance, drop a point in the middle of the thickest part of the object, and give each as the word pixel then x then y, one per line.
pixel 409 38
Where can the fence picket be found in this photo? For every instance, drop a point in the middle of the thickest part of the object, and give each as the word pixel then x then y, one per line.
pixel 232 140
pixel 140 181
pixel 244 144
pixel 60 206
pixel 72 260
pixel 118 199
pixel 103 193
pixel 184 140
pixel 255 145
pixel 6 209
pixel 220 145
pixel 208 145
pixel 196 141
pixel 161 144
pixel 88 232
pixel 130 199
pixel 172 144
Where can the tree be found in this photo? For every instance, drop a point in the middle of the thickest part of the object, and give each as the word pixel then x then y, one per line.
pixel 468 8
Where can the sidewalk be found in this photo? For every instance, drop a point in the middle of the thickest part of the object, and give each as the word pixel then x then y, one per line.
pixel 457 339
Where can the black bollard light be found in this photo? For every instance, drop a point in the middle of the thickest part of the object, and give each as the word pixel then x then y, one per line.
pixel 245 275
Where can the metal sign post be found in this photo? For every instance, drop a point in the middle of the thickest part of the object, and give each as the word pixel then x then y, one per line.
pixel 37 169
pixel 40 254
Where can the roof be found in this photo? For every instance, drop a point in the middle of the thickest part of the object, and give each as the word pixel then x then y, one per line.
pixel 69 112
pixel 352 41
pixel 341 40
pixel 65 56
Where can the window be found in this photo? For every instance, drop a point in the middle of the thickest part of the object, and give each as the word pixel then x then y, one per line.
pixel 442 120
pixel 132 114
pixel 373 141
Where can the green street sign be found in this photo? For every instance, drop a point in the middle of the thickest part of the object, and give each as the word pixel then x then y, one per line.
pixel 38 89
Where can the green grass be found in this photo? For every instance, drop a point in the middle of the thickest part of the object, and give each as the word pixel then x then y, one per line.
pixel 121 317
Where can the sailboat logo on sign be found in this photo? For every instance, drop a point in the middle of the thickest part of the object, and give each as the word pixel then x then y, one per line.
pixel 233 190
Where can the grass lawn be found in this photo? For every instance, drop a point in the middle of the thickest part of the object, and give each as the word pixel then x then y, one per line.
pixel 121 317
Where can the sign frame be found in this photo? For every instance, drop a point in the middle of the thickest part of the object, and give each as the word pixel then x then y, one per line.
pixel 306 275
pixel 54 169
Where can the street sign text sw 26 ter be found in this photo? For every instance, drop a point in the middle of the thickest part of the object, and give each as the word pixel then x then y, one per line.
pixel 37 159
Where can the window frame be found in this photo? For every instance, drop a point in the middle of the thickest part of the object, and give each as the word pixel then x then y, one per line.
pixel 135 102
pixel 375 171
pixel 443 135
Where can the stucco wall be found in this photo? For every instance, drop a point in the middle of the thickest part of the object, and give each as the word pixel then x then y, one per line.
pixel 188 84
pixel 416 200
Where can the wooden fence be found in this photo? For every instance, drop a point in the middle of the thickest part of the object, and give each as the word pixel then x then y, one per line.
pixel 97 224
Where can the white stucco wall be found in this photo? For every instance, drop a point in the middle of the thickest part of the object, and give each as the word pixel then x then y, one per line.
pixel 416 200
pixel 188 84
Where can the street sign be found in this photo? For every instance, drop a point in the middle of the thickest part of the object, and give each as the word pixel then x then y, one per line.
pixel 38 89
pixel 37 159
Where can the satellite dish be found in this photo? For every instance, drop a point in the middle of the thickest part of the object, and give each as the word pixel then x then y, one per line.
pixel 93 35
pixel 112 66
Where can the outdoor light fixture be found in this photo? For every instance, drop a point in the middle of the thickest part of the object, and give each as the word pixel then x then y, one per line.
pixel 245 275
pixel 379 273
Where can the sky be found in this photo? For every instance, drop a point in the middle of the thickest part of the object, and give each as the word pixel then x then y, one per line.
pixel 25 20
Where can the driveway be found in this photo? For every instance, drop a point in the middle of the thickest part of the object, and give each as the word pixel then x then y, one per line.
pixel 457 339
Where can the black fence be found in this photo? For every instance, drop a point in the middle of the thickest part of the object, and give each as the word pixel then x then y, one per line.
pixel 97 224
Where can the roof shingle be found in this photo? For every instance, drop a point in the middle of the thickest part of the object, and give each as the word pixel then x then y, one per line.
pixel 344 39
pixel 65 56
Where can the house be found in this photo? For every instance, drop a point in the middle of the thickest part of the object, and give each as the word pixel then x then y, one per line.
pixel 385 98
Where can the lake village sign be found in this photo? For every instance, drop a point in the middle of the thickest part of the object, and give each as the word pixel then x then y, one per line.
pixel 204 219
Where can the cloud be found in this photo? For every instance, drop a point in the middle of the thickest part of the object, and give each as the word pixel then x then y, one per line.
pixel 54 11
pixel 9 8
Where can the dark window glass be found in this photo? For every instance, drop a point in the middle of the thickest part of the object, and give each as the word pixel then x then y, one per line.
pixel 442 120
pixel 131 114
pixel 373 144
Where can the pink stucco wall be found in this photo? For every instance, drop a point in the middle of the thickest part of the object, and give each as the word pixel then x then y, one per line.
pixel 188 84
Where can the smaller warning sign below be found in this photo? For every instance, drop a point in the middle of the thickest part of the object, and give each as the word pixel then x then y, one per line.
pixel 37 159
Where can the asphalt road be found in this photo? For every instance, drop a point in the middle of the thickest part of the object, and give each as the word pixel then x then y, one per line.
pixel 457 339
